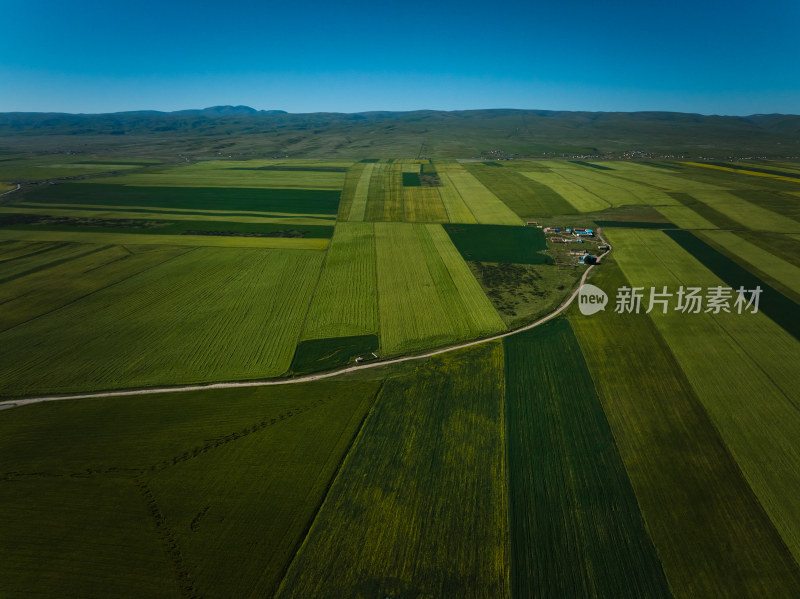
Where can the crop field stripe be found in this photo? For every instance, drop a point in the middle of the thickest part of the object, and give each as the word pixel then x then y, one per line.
pixel 526 197
pixel 685 218
pixel 359 205
pixel 411 315
pixel 615 189
pixel 749 171
pixel 781 271
pixel 705 211
pixel 304 219
pixel 219 174
pixel 345 300
pixel 293 201
pixel 484 205
pixel 457 210
pixel 419 507
pixel 211 314
pixel 576 529
pixel 759 361
pixel 21 268
pixel 692 507
pixel 376 193
pixel 159 212
pixel 470 311
pixel 579 197
pixel 774 304
pixel 423 204
pixel 659 178
pixel 12 250
pixel 746 213
pixel 632 224
pixel 783 246
pixel 348 189
pixel 592 165
pixel 286 243
pixel 43 292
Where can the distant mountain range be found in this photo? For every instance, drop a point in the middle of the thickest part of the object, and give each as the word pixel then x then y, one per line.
pixel 244 130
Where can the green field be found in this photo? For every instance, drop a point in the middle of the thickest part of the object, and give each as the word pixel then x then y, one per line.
pixel 207 314
pixel 145 497
pixel 641 455
pixel 692 506
pixel 293 201
pixel 576 530
pixel 419 507
pixel 746 352
pixel 499 243
pixel 427 295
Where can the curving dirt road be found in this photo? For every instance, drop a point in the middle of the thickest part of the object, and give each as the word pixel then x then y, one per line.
pixel 312 377
pixel 17 188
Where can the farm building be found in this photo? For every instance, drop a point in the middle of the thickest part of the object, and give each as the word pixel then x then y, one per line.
pixel 532 223
pixel 588 259
pixel 575 252
pixel 558 240
pixel 548 229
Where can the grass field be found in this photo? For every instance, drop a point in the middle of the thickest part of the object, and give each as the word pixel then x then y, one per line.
pixel 427 295
pixel 168 495
pixel 208 314
pixel 749 353
pixel 576 530
pixel 419 506
pixel 692 494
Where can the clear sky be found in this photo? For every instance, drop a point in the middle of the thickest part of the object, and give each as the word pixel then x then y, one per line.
pixel 712 57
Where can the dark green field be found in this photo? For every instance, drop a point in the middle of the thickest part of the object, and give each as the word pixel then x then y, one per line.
pixel 589 164
pixel 160 227
pixel 299 201
pixel 576 530
pixel 324 354
pixel 499 243
pixel 411 180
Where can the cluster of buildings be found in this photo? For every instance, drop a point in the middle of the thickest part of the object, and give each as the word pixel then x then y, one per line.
pixel 576 235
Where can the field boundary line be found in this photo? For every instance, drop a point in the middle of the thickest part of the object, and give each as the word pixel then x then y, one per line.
pixel 12 403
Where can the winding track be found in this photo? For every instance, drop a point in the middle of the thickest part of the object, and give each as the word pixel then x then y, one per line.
pixel 11 190
pixel 4 405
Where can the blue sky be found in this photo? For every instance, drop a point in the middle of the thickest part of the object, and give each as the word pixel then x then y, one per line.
pixel 702 56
